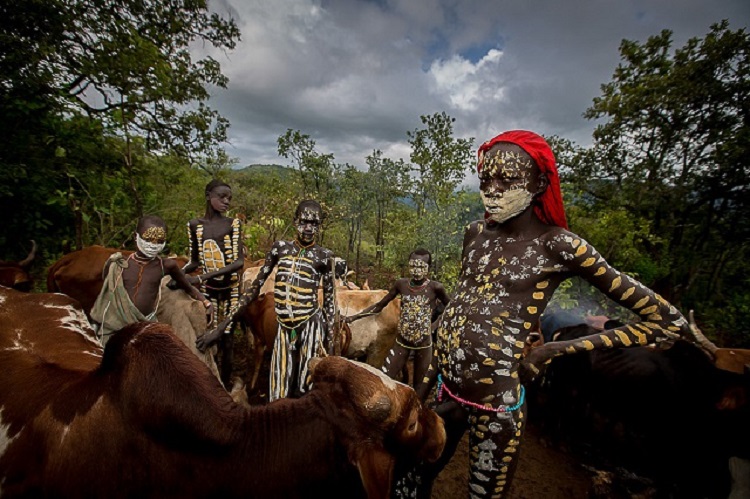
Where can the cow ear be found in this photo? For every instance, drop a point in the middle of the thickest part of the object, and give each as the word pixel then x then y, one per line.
pixel 376 471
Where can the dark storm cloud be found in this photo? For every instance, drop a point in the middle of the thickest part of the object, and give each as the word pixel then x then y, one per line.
pixel 356 75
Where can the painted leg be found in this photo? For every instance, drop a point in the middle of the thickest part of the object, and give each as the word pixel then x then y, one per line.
pixel 494 441
pixel 226 349
pixel 281 359
pixel 395 361
pixel 422 361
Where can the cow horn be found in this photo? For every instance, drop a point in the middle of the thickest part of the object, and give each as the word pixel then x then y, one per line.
pixel 703 342
pixel 27 261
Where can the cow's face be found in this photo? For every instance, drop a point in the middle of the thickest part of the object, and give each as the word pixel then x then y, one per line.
pixel 341 268
pixel 16 278
pixel 408 428
pixel 386 423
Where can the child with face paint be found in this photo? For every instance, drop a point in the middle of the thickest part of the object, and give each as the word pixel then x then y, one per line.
pixel 132 285
pixel 304 327
pixel 216 248
pixel 419 299
pixel 512 262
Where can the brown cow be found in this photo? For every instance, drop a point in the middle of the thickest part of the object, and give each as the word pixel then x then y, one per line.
pixel 16 274
pixel 147 419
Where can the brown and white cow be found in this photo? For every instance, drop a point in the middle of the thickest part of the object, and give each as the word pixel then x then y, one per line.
pixel 16 274
pixel 373 336
pixel 79 275
pixel 145 418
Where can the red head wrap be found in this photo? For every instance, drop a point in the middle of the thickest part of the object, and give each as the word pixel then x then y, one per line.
pixel 550 207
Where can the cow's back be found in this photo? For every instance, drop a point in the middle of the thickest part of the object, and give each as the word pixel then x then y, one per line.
pixel 374 335
pixel 79 274
pixel 47 352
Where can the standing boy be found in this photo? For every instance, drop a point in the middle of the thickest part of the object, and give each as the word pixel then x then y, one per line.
pixel 419 299
pixel 512 262
pixel 304 328
pixel 132 285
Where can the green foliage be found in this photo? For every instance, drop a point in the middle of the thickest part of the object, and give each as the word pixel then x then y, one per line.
pixel 664 189
pixel 95 97
pixel 440 161
pixel 127 63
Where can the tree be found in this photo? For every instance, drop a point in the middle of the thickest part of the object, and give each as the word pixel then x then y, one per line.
pixel 127 62
pixel 357 204
pixel 674 147
pixel 317 172
pixel 89 90
pixel 440 160
pixel 389 181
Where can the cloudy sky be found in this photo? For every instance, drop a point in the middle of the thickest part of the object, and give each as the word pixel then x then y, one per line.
pixel 356 75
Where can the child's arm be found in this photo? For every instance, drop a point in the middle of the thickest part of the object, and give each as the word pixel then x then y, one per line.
pixel 659 319
pixel 177 274
pixel 329 304
pixel 376 308
pixel 251 294
pixel 194 262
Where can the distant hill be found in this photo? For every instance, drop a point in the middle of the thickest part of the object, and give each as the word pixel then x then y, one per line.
pixel 279 171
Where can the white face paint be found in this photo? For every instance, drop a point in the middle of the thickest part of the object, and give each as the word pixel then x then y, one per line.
pixel 505 183
pixel 149 250
pixel 307 225
pixel 417 269
pixel 507 205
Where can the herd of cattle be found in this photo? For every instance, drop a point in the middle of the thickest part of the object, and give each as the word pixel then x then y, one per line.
pixel 148 416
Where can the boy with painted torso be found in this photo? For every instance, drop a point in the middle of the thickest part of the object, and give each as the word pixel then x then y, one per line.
pixel 302 267
pixel 419 299
pixel 132 286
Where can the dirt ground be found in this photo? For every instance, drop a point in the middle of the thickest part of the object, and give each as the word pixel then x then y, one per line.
pixel 543 472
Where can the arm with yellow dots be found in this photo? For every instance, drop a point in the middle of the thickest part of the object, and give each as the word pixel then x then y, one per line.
pixel 659 320
pixel 251 294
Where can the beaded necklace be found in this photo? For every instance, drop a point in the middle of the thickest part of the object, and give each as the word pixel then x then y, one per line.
pixel 417 288
pixel 503 408
pixel 141 265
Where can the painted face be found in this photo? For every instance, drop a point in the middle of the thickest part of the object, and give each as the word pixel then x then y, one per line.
pixel 507 183
pixel 417 268
pixel 220 197
pixel 151 241
pixel 307 225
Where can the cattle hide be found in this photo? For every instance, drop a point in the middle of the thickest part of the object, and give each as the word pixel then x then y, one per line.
pixel 655 411
pixel 188 320
pixel 79 275
pixel 147 419
pixel 372 336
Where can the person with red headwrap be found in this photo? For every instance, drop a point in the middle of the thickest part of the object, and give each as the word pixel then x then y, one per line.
pixel 512 262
